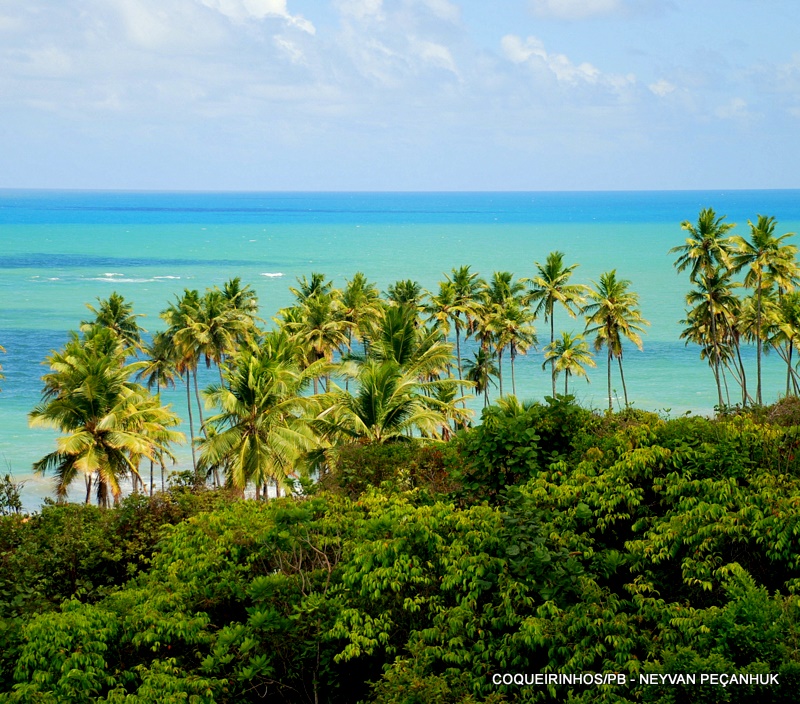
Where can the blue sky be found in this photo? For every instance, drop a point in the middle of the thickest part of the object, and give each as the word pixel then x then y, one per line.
pixel 399 94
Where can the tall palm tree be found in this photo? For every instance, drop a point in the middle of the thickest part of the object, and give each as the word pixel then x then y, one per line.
pixel 440 307
pixel 498 295
pixel 180 318
pixel 711 321
pixel 260 433
pixel 467 287
pixel 768 261
pixel 361 306
pixel 319 326
pixel 707 246
pixel 787 336
pixel 158 371
pixel 109 422
pixel 512 326
pixel 550 286
pixel 116 314
pixel 611 315
pixel 569 354
pixel 481 371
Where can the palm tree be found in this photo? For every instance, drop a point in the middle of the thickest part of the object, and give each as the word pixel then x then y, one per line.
pixel 787 323
pixel 711 321
pixel 180 318
pixel 361 305
pixel 481 371
pixel 466 287
pixel 440 307
pixel 707 247
pixel 613 314
pixel 512 326
pixel 260 432
pixel 498 296
pixel 768 261
pixel 405 293
pixel 159 371
pixel 550 286
pixel 109 422
pixel 417 350
pixel 318 325
pixel 569 354
pixel 116 314
pixel 390 404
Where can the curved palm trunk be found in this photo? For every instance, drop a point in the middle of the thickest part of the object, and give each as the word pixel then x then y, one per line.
pixel 622 376
pixel 715 365
pixel 199 404
pixel 745 395
pixel 88 488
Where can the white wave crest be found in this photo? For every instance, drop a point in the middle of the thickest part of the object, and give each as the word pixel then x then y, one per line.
pixel 271 274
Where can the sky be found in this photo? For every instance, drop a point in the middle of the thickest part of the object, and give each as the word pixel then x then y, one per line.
pixel 412 95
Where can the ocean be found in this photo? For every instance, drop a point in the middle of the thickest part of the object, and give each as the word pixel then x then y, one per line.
pixel 61 250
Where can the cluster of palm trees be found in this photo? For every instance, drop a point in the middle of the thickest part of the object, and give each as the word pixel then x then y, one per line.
pixel 110 423
pixel 339 366
pixel 719 320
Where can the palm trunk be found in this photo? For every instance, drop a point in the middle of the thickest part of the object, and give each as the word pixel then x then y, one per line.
pixel 191 421
pixel 715 365
pixel 458 352
pixel 152 478
pixel 622 376
pixel 513 380
pixel 758 343
pixel 199 404
pixel 88 488
pixel 789 367
pixel 610 405
pixel 741 368
pixel 566 382
pixel 553 360
pixel 500 369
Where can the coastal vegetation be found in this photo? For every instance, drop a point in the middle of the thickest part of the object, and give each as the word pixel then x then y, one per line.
pixel 546 539
pixel 400 549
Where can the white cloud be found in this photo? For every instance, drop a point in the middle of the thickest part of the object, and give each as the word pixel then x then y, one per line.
pixel 243 10
pixel 574 9
pixel 661 88
pixel 734 109
pixel 532 51
pixel 585 9
pixel 434 54
pixel 443 9
pixel 361 9
pixel 290 49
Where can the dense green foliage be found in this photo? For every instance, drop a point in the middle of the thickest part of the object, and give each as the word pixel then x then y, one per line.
pixel 547 539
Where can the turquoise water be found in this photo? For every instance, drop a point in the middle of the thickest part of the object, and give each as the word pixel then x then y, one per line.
pixel 61 250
